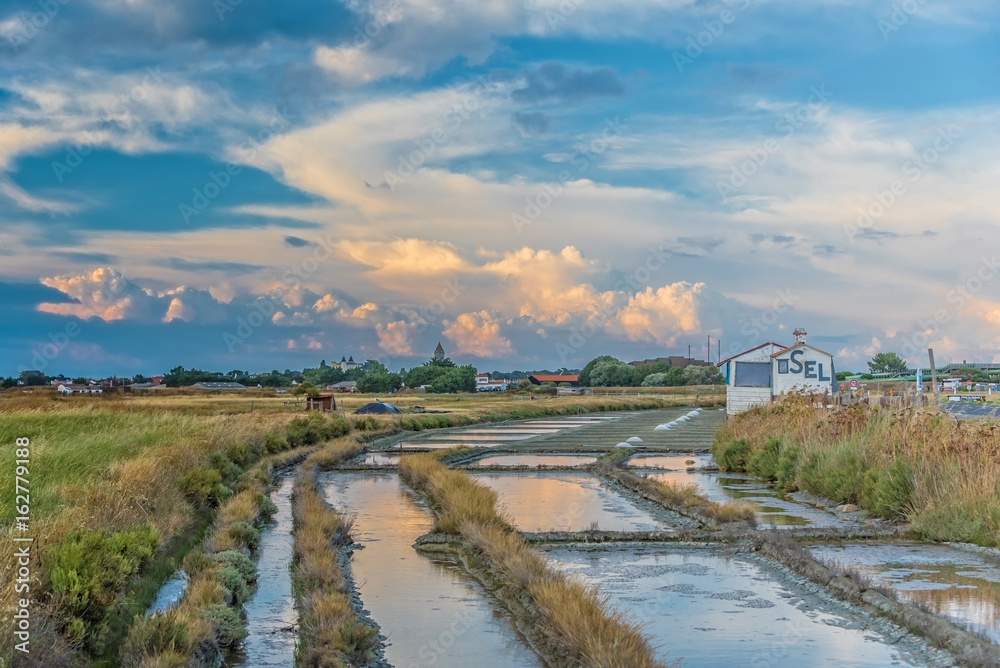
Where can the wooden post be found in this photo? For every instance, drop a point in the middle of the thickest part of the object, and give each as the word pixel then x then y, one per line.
pixel 937 400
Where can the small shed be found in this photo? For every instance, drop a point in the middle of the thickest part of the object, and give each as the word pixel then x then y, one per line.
pixel 324 403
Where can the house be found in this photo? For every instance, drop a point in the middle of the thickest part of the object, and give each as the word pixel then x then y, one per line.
pixel 324 403
pixel 802 369
pixel 216 385
pixel 348 364
pixel 760 375
pixel 748 378
pixel 71 388
pixel 345 386
pixel 484 384
pixel 539 378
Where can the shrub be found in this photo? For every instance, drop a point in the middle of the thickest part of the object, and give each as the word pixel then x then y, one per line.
pixel 244 534
pixel 734 456
pixel 89 570
pixel 764 462
pixel 889 492
pixel 274 443
pixel 238 561
pixel 203 486
pixel 785 474
pixel 314 428
pixel 230 627
pixel 154 635
pixel 234 582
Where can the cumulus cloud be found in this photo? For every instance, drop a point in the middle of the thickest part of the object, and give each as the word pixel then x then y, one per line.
pixel 662 315
pixel 103 293
pixel 396 338
pixel 477 334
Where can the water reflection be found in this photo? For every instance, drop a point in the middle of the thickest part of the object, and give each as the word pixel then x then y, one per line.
pixel 271 614
pixel 432 613
pixel 711 610
pixel 557 501
pixel 958 584
pixel 536 460
pixel 772 507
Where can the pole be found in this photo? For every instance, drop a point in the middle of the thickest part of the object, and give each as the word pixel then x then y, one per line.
pixel 708 349
pixel 930 354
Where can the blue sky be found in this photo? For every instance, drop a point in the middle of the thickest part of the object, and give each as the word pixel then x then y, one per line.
pixel 532 183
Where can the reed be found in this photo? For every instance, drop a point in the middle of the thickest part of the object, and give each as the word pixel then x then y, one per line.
pixel 907 464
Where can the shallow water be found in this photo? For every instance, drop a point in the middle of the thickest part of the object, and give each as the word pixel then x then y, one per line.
pixel 379 459
pixel 709 610
pixel 271 614
pixel 438 445
pixel 772 508
pixel 960 585
pixel 170 593
pixel 565 501
pixel 670 462
pixel 431 611
pixel 536 460
pixel 481 437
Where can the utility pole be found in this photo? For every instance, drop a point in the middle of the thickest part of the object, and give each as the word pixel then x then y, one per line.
pixel 930 354
pixel 689 351
pixel 708 349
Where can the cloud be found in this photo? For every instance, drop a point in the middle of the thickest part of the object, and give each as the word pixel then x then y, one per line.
pixel 530 123
pixel 103 293
pixel 664 314
pixel 296 242
pixel 396 338
pixel 556 82
pixel 411 257
pixel 477 334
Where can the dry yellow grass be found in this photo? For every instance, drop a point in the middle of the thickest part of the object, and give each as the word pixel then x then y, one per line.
pixel 575 618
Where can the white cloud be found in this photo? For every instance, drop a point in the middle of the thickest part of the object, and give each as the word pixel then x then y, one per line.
pixel 477 334
pixel 396 338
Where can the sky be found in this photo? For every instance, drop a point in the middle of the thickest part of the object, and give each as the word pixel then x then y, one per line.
pixel 240 184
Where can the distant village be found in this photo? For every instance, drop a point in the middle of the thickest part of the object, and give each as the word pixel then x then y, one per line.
pixel 751 378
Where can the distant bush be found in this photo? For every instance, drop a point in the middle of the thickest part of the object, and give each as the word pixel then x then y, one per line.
pixel 315 428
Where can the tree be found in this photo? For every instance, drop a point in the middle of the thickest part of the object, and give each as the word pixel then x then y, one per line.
pixel 887 362
pixel 973 374
pixel 844 375
pixel 80 381
pixel 380 382
pixel 611 373
pixel 703 375
pixel 456 379
pixel 672 377
pixel 589 368
pixel 8 382
pixel 306 388
pixel 640 371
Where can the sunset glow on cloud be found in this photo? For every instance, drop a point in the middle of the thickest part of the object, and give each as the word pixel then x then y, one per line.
pixel 368 178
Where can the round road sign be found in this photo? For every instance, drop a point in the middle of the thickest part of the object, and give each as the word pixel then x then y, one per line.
pixel 968 383
pixel 854 384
